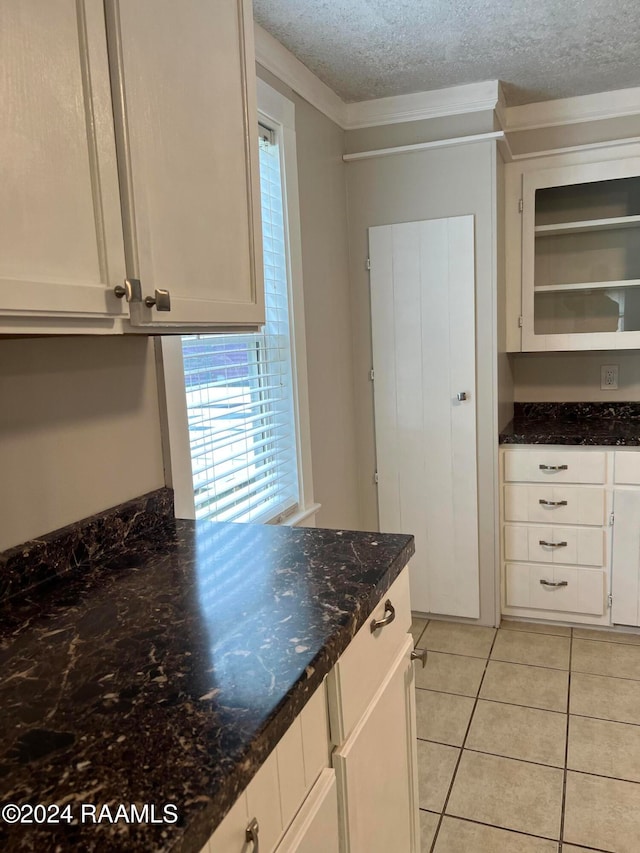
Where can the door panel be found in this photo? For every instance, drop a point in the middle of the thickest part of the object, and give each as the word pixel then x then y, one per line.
pixel 423 331
pixel 61 243
pixel 625 574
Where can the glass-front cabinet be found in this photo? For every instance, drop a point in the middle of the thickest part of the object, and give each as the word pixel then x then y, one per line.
pixel 581 257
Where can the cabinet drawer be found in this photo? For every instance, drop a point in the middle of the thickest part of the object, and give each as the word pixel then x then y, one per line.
pixel 359 672
pixel 581 546
pixel 583 590
pixel 555 504
pixel 555 466
pixel 627 467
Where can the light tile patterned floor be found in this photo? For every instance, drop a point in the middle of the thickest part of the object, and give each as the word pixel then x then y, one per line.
pixel 528 739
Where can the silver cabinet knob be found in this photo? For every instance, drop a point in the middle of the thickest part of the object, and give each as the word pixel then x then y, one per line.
pixel 131 290
pixel 161 299
pixel 462 396
pixel 421 655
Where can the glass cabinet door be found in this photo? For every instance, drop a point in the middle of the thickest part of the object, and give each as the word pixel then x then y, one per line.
pixel 581 257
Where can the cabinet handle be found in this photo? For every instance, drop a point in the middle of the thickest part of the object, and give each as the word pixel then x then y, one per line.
pixel 554 583
pixel 552 503
pixel 552 544
pixel 251 835
pixel 553 467
pixel 161 299
pixel 387 619
pixel 421 655
pixel 131 290
pixel 462 396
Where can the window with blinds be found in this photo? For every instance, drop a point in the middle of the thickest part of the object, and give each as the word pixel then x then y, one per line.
pixel 240 392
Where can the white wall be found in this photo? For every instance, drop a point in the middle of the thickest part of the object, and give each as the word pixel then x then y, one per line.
pixel 79 430
pixel 404 188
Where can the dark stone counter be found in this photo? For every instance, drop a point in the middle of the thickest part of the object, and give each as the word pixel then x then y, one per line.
pixel 167 671
pixel 605 424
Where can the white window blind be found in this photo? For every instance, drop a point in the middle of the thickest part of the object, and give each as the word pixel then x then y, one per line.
pixel 240 393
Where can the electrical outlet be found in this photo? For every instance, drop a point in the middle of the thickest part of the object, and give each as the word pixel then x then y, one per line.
pixel 609 377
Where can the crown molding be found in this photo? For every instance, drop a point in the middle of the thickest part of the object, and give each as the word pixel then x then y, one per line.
pixel 598 107
pixel 455 100
pixel 471 98
pixel 279 61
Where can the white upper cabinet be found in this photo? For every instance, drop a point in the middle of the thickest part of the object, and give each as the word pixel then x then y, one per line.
pixel 580 256
pixel 61 246
pixel 129 152
pixel 186 123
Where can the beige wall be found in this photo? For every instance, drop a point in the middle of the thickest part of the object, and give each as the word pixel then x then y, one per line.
pixel 573 377
pixel 323 215
pixel 79 430
pixel 404 188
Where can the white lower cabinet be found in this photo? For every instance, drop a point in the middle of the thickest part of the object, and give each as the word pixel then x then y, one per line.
pixel 625 579
pixel 556 535
pixel 376 768
pixel 365 713
pixel 315 828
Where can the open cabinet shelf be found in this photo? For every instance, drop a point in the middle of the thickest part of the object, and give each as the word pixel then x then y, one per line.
pixel 587 285
pixel 609 224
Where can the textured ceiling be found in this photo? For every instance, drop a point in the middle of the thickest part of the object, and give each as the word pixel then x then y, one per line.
pixel 366 49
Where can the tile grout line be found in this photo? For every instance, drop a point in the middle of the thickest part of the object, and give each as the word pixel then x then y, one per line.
pixel 464 740
pixel 566 751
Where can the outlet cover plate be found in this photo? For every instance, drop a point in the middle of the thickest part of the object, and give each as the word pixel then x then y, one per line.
pixel 609 377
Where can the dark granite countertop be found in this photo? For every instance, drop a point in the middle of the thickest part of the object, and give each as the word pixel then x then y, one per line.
pixel 168 671
pixel 605 424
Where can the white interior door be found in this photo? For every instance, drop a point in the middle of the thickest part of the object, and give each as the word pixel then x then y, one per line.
pixel 423 330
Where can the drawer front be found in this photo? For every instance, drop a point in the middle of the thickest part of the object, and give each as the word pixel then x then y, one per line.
pixel 576 590
pixel 627 467
pixel 549 504
pixel 359 672
pixel 555 466
pixel 580 546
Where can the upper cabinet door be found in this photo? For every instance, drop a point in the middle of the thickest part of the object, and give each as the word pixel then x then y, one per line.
pixel 183 85
pixel 580 257
pixel 61 244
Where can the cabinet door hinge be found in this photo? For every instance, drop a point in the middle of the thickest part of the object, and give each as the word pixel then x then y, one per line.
pixel 520 321
pixel 610 600
pixel 611 519
pixel 368 263
pixel 375 477
pixel 520 205
pixel 372 374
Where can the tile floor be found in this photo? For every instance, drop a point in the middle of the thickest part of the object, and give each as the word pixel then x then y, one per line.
pixel 528 739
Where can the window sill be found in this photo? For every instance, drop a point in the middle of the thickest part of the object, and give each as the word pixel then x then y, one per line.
pixel 302 515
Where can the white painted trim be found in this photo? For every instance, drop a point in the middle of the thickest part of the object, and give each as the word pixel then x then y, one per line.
pixel 571 149
pixel 279 111
pixel 174 421
pixel 279 61
pixel 597 107
pixel 422 146
pixel 456 100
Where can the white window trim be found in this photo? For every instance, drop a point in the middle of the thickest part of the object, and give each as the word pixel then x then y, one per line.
pixel 276 111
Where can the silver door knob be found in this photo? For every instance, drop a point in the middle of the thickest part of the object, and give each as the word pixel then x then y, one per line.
pixel 131 290
pixel 421 655
pixel 462 396
pixel 161 299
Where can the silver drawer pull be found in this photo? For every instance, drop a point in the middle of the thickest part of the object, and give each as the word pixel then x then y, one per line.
pixel 389 616
pixel 421 655
pixel 552 503
pixel 251 835
pixel 554 583
pixel 553 467
pixel 552 544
